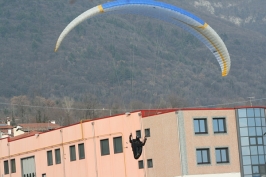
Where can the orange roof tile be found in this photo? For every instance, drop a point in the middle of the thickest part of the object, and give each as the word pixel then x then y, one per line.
pixel 27 134
pixel 38 126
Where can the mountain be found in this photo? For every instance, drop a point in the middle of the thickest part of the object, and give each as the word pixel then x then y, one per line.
pixel 131 58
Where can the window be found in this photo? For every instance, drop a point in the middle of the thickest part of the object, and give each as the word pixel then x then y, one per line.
pixel 72 150
pixel 49 158
pixel 222 155
pixel 203 156
pixel 258 169
pixel 200 126
pixel 149 162
pixel 255 140
pixel 138 133
pixel 81 151
pixel 118 147
pixel 57 156
pixel 105 147
pixel 44 175
pixel 6 167
pixel 141 165
pixel 147 132
pixel 13 165
pixel 219 125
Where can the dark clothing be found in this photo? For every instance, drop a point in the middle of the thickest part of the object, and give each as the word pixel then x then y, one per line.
pixel 136 146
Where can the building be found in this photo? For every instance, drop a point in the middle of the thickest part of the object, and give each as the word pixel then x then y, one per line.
pixel 181 142
pixel 5 131
pixel 40 127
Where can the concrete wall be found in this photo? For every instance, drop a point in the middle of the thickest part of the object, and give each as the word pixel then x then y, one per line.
pixel 211 140
pixel 163 146
pixel 89 133
pixel 171 146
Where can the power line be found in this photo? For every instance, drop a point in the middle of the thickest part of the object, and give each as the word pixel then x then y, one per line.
pixel 108 109
pixel 50 107
pixel 223 104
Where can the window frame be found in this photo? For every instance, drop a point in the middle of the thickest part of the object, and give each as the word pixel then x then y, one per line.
pixel 72 153
pixel 102 148
pixel 220 155
pixel 57 153
pixel 6 167
pixel 205 126
pixel 147 132
pixel 141 164
pixel 13 165
pixel 138 133
pixel 117 150
pixel 149 163
pixel 81 148
pixel 49 158
pixel 224 125
pixel 208 156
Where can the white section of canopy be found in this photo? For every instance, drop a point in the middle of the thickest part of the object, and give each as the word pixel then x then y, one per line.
pixel 82 17
pixel 203 32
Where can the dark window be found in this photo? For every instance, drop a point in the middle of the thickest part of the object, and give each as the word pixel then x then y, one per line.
pixel 49 158
pixel 6 167
pixel 105 147
pixel 147 132
pixel 200 126
pixel 72 150
pixel 57 156
pixel 203 156
pixel 81 151
pixel 222 155
pixel 118 147
pixel 258 169
pixel 138 133
pixel 255 140
pixel 141 165
pixel 13 165
pixel 219 125
pixel 149 162
pixel 44 175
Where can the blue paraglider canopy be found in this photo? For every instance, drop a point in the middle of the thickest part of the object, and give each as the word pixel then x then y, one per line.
pixel 165 12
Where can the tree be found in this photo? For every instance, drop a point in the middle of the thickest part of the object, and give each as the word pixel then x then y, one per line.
pixel 42 105
pixel 176 101
pixel 91 104
pixel 67 104
pixel 21 103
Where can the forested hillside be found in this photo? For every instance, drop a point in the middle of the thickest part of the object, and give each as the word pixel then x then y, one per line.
pixel 126 62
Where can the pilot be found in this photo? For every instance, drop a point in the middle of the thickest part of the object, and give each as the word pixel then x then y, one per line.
pixel 136 145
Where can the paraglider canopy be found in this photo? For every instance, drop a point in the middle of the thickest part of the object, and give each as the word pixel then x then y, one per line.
pixel 165 12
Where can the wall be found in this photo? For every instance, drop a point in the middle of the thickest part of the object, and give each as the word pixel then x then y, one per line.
pixel 163 146
pixel 90 133
pixel 211 141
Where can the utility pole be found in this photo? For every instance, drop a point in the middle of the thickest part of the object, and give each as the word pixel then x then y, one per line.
pixel 250 98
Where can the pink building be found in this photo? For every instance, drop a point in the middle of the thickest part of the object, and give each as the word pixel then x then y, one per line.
pixel 181 142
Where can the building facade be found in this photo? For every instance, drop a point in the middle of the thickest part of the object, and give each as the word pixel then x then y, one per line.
pixel 252 141
pixel 180 142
